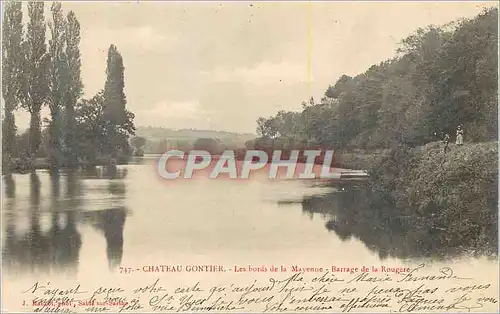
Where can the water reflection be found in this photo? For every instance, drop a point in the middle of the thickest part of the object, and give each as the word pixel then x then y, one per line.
pixel 10 186
pixel 56 249
pixel 353 211
pixel 9 219
pixel 107 173
pixel 110 223
pixel 54 222
pixel 35 244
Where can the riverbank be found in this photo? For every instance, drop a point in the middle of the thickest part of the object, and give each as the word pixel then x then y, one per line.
pixel 17 166
pixel 453 196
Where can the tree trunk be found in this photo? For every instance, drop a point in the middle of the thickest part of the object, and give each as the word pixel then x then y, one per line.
pixel 70 138
pixel 8 139
pixel 56 157
pixel 34 134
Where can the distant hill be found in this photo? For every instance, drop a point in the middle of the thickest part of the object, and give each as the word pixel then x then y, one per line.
pixel 161 133
pixel 158 139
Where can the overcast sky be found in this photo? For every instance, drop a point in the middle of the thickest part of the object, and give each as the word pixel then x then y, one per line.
pixel 220 66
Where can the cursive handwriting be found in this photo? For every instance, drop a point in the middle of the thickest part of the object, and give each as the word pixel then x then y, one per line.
pixel 419 289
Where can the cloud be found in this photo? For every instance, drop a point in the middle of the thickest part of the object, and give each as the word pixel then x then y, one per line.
pixel 146 37
pixel 264 73
pixel 222 65
pixel 176 114
pixel 141 38
pixel 181 109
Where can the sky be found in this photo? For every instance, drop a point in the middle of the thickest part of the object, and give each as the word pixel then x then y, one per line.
pixel 221 65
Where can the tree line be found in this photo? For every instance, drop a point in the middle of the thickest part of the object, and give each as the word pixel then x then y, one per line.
pixel 440 78
pixel 37 72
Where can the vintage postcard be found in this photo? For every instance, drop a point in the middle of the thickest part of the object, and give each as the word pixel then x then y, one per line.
pixel 249 157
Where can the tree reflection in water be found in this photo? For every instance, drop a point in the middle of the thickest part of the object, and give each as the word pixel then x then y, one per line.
pixel 354 211
pixel 110 223
pixel 58 249
pixel 11 242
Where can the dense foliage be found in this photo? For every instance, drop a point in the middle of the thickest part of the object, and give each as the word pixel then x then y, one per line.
pixel 93 130
pixel 421 202
pixel 441 77
pixel 12 36
pixel 37 72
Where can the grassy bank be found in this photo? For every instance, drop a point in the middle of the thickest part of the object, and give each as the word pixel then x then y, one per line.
pixel 453 197
pixel 421 203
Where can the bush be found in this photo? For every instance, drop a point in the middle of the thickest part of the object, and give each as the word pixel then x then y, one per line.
pixel 452 196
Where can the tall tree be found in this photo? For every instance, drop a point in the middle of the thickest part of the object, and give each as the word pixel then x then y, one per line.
pixel 58 83
pixel 12 32
pixel 74 86
pixel 36 69
pixel 114 101
pixel 444 76
pixel 92 129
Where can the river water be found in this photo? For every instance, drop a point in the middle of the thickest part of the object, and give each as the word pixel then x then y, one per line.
pixel 73 224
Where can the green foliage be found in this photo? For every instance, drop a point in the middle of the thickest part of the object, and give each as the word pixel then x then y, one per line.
pixel 91 136
pixel 97 128
pixel 74 88
pixel 442 77
pixel 115 113
pixel 267 128
pixel 92 129
pixel 211 145
pixel 453 196
pixel 12 33
pixel 138 142
pixel 58 84
pixel 36 69
pixel 420 202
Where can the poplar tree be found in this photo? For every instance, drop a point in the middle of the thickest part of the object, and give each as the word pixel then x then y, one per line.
pixel 115 114
pixel 74 88
pixel 12 33
pixel 58 83
pixel 36 70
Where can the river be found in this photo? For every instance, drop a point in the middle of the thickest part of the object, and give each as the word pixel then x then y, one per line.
pixel 72 224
